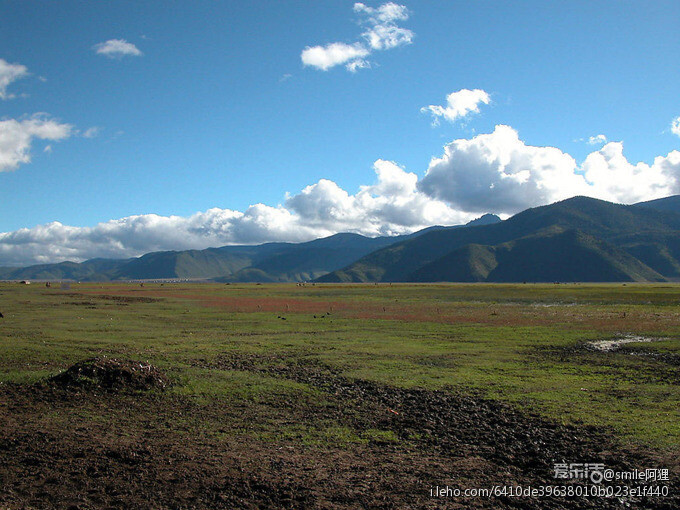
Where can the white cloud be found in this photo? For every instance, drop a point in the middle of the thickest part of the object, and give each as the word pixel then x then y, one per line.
pixel 331 55
pixel 614 178
pixel 392 205
pixel 92 132
pixel 498 172
pixel 495 172
pixel 385 14
pixel 381 33
pixel 357 64
pixel 458 105
pixel 597 140
pixel 675 126
pixel 117 48
pixel 16 137
pixel 8 74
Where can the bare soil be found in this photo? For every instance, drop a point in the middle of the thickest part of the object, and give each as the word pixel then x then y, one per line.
pixel 111 446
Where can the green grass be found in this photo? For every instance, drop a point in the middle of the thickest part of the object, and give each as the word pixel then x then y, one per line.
pixel 521 355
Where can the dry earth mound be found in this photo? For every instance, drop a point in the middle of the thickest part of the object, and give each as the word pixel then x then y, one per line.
pixel 111 374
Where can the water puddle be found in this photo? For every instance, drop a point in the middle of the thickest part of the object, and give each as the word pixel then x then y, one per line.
pixel 615 343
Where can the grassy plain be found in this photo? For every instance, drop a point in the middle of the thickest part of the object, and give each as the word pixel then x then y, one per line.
pixel 243 347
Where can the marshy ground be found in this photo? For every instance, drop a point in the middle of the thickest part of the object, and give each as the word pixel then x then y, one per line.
pixel 332 396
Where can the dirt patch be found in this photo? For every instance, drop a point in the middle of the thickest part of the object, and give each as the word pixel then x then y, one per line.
pixel 111 374
pixel 88 450
pixel 667 358
pixel 89 304
pixel 511 444
pixel 118 451
pixel 653 367
pixel 614 346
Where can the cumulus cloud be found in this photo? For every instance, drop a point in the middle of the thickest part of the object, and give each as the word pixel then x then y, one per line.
pixel 331 55
pixel 381 33
pixel 458 105
pixel 500 173
pixel 501 170
pixel 136 235
pixel 16 137
pixel 495 172
pixel 117 48
pixel 675 126
pixel 612 177
pixel 10 73
pixel 597 140
pixel 392 205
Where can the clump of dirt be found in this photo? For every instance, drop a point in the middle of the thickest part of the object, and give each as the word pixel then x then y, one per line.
pixel 111 374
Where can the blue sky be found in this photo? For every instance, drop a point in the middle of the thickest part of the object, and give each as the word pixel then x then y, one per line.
pixel 209 108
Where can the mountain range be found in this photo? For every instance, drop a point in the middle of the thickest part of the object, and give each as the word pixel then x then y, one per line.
pixel 270 262
pixel 579 239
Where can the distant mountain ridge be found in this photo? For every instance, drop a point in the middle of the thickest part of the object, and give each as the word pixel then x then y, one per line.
pixel 270 262
pixel 579 239
pixel 671 204
pixel 579 256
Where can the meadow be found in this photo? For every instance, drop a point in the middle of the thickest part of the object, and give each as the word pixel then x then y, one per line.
pixel 334 396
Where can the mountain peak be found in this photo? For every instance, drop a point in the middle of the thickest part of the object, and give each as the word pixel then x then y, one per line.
pixel 486 219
